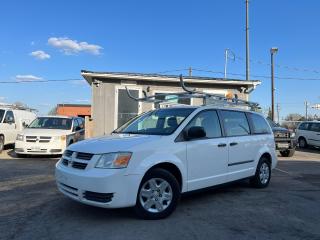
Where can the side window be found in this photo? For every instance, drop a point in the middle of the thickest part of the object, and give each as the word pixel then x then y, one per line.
pixel 304 126
pixel 75 125
pixel 260 126
pixel 235 123
pixel 81 123
pixel 315 127
pixel 9 118
pixel 209 121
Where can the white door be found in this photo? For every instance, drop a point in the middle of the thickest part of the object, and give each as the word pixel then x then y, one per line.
pixel 314 134
pixel 126 108
pixel 10 128
pixel 206 157
pixel 241 145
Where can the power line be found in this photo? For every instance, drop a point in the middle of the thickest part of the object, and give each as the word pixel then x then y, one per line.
pixel 41 81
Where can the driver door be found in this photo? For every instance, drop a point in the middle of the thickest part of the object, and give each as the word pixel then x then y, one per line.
pixel 207 157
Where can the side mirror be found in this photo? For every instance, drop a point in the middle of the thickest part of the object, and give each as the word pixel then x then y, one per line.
pixel 196 132
pixel 78 129
pixel 9 120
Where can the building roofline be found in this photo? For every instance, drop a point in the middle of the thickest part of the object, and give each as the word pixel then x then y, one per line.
pixel 89 75
pixel 72 105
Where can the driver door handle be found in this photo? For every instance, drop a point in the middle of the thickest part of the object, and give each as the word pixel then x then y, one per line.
pixel 233 143
pixel 222 145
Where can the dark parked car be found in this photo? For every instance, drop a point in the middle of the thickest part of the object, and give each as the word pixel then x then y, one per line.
pixel 284 138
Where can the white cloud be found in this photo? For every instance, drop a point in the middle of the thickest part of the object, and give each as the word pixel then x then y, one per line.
pixel 82 100
pixel 69 46
pixel 41 55
pixel 27 78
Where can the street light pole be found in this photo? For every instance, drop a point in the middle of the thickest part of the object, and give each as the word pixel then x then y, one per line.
pixel 247 41
pixel 272 51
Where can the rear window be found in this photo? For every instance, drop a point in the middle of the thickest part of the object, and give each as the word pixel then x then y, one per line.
pixel 1 114
pixel 260 125
pixel 235 123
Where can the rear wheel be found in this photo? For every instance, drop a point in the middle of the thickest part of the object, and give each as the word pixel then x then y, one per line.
pixel 1 143
pixel 158 195
pixel 262 176
pixel 287 153
pixel 302 142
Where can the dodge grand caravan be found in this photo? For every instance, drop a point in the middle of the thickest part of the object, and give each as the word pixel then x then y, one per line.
pixel 148 162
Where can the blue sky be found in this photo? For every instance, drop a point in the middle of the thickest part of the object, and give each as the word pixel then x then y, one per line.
pixel 56 39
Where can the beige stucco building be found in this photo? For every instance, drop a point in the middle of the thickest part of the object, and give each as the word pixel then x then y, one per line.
pixel 111 106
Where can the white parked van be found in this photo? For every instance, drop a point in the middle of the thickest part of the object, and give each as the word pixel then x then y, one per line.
pixel 148 162
pixel 308 134
pixel 49 135
pixel 13 121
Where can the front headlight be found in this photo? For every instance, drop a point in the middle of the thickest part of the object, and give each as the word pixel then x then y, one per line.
pixel 60 138
pixel 114 160
pixel 292 134
pixel 20 137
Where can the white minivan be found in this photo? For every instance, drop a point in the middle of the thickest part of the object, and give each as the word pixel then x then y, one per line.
pixel 13 121
pixel 49 135
pixel 308 134
pixel 149 161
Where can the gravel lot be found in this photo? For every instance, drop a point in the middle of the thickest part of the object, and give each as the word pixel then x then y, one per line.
pixel 32 208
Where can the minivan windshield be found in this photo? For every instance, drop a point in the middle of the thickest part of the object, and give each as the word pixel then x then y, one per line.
pixel 157 122
pixel 51 123
pixel 272 123
pixel 1 114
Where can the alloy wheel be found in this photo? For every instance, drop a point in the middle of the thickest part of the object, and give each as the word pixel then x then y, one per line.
pixel 264 173
pixel 155 195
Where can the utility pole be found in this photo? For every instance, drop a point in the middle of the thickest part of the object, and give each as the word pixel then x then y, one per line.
pixel 272 51
pixel 306 105
pixel 278 113
pixel 247 42
pixel 190 71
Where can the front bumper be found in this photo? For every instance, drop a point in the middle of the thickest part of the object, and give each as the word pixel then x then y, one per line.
pixel 107 188
pixel 285 143
pixel 34 148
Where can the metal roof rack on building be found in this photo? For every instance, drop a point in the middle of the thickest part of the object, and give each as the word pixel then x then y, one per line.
pixel 17 107
pixel 208 98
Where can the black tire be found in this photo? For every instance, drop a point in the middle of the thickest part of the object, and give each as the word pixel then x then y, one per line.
pixel 71 142
pixel 159 174
pixel 287 153
pixel 302 142
pixel 256 180
pixel 1 143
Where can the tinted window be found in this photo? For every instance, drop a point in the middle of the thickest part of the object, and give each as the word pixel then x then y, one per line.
pixel 8 117
pixel 260 125
pixel 304 126
pixel 315 127
pixel 235 123
pixel 209 121
pixel 75 125
pixel 1 114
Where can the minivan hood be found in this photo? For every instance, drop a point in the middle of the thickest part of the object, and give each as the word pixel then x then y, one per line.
pixel 112 143
pixel 44 132
pixel 280 129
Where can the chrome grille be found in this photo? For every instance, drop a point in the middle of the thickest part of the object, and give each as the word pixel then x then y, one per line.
pixel 40 139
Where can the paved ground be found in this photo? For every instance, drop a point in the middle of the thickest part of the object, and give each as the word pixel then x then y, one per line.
pixel 31 207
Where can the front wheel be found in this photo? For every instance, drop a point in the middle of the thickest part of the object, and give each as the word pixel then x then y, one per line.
pixel 302 142
pixel 287 153
pixel 1 143
pixel 262 176
pixel 158 195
